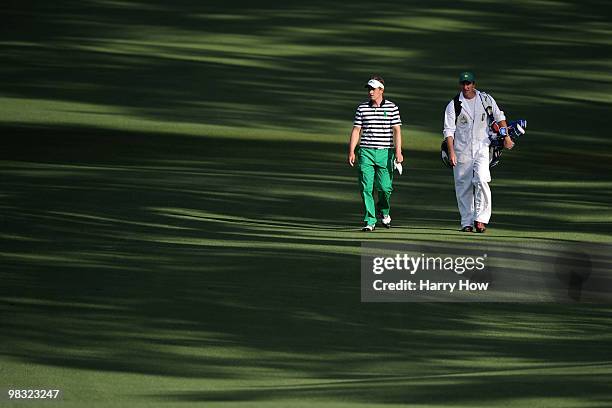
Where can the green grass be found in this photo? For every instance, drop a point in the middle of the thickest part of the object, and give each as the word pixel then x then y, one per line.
pixel 179 227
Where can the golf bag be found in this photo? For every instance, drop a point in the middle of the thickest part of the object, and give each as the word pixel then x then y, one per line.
pixel 516 128
pixel 444 153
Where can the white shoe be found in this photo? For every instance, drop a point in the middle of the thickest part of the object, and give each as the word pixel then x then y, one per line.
pixel 386 221
pixel 368 228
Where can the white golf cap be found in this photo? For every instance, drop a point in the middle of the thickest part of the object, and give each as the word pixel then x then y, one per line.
pixel 374 83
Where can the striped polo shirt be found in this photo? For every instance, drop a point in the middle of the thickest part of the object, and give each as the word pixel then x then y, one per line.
pixel 377 123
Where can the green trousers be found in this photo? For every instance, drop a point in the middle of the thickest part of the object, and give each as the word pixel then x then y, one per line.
pixel 376 170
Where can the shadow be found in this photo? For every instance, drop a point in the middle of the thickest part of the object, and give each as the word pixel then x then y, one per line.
pixel 173 256
pixel 175 201
pixel 269 66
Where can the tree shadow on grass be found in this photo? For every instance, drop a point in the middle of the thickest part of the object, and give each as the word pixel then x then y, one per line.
pixel 175 256
pixel 270 65
pixel 472 390
pixel 202 257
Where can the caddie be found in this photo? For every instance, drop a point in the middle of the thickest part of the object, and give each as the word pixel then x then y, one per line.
pixel 467 120
pixel 377 129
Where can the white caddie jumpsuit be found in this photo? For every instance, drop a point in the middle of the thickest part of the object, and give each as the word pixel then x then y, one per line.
pixel 471 142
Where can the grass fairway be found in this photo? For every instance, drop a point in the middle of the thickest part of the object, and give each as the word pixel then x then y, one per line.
pixel 179 227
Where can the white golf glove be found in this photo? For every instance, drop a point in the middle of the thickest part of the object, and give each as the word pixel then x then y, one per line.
pixel 398 166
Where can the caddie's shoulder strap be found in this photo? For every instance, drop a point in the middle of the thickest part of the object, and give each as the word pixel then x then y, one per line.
pixel 485 97
pixel 487 107
pixel 457 104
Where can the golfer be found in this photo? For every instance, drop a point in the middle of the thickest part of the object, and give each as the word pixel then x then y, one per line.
pixel 467 120
pixel 377 130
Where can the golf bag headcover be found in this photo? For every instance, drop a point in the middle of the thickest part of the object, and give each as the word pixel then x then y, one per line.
pixel 516 128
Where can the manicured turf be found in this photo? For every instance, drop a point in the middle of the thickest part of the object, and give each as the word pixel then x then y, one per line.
pixel 179 227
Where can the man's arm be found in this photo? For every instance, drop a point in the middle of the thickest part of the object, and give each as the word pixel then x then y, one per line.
pixel 452 157
pixel 500 117
pixel 508 143
pixel 354 139
pixel 449 132
pixel 397 141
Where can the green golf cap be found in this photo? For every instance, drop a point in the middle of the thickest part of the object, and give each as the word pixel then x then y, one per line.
pixel 467 76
